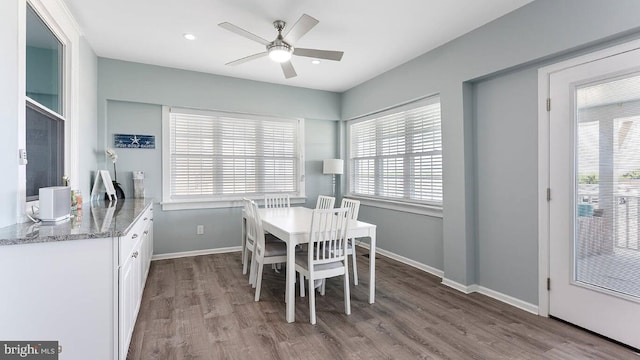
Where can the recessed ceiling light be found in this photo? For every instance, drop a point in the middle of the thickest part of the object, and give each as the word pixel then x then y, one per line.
pixel 189 36
pixel 315 62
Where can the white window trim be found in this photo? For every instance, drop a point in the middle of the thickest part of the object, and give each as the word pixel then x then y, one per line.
pixel 421 208
pixel 403 206
pixel 169 204
pixel 59 19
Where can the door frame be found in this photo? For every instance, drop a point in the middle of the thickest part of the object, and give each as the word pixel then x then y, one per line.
pixel 544 74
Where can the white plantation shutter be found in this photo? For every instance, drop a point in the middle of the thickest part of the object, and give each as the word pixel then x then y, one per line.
pixel 221 156
pixel 397 155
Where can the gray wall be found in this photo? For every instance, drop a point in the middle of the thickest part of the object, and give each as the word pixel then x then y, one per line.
pixel 542 30
pixel 506 173
pixel 413 236
pixel 130 99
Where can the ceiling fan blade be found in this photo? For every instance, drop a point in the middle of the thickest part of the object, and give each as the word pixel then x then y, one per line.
pixel 301 27
pixel 243 33
pixel 319 54
pixel 247 58
pixel 288 70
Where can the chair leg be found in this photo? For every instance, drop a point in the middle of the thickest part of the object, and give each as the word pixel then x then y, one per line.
pixel 347 293
pixel 323 286
pixel 301 285
pixel 253 268
pixel 245 261
pixel 355 266
pixel 258 281
pixel 312 303
pixel 244 239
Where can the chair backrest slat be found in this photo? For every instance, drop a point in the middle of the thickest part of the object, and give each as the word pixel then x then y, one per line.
pixel 353 206
pixel 276 201
pixel 327 237
pixel 325 202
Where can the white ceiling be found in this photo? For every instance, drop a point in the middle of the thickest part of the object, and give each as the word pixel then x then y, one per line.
pixel 376 36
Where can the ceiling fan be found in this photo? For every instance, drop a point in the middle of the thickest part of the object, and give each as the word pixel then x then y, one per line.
pixel 281 49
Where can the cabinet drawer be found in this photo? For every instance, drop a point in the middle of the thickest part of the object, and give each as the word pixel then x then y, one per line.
pixel 135 234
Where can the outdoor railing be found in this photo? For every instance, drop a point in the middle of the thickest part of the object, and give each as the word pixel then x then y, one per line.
pixel 627 222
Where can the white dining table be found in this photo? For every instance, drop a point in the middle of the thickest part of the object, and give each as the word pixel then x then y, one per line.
pixel 292 226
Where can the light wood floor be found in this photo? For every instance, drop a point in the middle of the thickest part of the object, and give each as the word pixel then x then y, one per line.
pixel 202 308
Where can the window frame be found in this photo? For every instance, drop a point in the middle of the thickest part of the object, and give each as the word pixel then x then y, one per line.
pixel 399 204
pixel 234 200
pixel 59 119
pixel 57 17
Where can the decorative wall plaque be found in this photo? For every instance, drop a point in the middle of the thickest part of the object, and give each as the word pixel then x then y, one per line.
pixel 131 141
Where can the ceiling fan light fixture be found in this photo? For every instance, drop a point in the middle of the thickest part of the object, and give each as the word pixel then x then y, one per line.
pixel 280 52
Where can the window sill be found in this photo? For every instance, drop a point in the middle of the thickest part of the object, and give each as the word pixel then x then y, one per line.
pixel 216 204
pixel 420 209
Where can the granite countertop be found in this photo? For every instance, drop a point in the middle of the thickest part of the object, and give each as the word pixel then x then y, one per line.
pixel 97 220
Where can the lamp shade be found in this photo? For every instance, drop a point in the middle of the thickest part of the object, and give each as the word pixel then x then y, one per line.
pixel 332 166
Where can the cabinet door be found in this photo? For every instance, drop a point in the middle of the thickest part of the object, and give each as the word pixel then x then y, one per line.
pixel 147 245
pixel 144 259
pixel 126 309
pixel 130 292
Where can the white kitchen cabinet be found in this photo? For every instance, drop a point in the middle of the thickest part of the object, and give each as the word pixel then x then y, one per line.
pixel 76 282
pixel 135 263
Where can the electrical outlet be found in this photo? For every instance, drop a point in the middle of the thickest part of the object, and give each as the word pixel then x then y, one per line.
pixel 200 230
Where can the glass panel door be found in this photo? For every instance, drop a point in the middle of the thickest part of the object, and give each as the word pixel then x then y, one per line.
pixel 607 212
pixel 594 160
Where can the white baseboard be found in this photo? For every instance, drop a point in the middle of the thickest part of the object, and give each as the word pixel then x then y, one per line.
pixel 467 289
pixel 195 253
pixel 523 305
pixel 426 268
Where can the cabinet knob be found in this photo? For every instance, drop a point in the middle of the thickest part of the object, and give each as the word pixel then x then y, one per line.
pixel 135 254
pixel 134 236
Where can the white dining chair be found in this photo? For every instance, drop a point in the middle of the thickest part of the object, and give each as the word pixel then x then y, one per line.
pixel 273 201
pixel 249 241
pixel 265 252
pixel 250 236
pixel 325 202
pixel 327 254
pixel 354 208
pixel 276 201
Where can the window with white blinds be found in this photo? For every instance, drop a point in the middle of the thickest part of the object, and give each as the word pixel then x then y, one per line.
pixel 397 155
pixel 224 156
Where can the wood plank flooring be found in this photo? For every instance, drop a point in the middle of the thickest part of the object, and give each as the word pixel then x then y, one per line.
pixel 202 308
